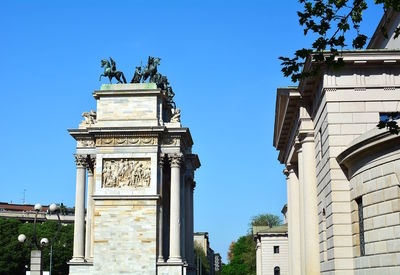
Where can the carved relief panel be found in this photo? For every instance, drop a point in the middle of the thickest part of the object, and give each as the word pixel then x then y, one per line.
pixel 120 173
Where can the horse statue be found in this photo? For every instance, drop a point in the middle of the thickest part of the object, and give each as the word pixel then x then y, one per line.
pixel 151 69
pixel 110 70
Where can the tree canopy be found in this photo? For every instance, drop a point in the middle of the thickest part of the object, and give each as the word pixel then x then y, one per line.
pixel 242 253
pixel 265 220
pixel 15 257
pixel 333 23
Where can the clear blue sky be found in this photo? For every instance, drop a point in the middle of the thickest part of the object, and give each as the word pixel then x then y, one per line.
pixel 221 58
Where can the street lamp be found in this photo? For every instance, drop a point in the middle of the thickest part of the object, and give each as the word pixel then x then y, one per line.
pixel 36 253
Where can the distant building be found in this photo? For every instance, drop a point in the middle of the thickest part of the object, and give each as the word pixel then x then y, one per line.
pixel 25 212
pixel 272 250
pixel 201 239
pixel 217 262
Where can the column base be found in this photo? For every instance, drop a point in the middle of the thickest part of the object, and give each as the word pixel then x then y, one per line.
pixel 78 260
pixel 175 259
pixel 160 259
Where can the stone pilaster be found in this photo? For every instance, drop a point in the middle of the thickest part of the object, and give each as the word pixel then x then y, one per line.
pixel 175 212
pixel 79 224
pixel 310 205
pixel 259 258
pixel 160 250
pixel 89 208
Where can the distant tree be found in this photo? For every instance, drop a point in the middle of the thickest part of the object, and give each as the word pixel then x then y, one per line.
pixel 201 259
pixel 265 220
pixel 14 256
pixel 243 260
pixel 230 251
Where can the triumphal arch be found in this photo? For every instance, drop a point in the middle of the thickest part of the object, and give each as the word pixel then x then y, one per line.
pixel 137 161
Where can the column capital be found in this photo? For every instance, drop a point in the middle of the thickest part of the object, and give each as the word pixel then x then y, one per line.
pixel 176 160
pixel 161 159
pixel 81 161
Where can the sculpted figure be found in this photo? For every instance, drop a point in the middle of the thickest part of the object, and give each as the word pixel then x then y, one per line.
pixel 138 75
pixel 89 117
pixel 151 69
pixel 110 71
pixel 176 116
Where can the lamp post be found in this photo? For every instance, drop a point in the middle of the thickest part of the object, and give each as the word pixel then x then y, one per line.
pixel 36 253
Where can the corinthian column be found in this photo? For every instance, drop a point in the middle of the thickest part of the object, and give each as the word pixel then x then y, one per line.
pixel 79 224
pixel 89 207
pixel 160 209
pixel 175 213
pixel 310 203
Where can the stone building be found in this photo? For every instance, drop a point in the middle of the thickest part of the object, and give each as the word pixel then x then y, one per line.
pixel 271 250
pixel 140 183
pixel 217 263
pixel 25 212
pixel 342 172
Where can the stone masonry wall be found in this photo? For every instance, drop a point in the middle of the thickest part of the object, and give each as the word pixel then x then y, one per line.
pixel 377 183
pixel 125 237
pixel 270 260
pixel 342 112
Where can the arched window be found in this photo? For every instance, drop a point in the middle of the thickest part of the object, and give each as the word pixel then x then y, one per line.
pixel 277 270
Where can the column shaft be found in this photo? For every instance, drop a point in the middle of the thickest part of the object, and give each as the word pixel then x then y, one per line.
pixel 160 250
pixel 294 222
pixel 89 213
pixel 310 202
pixel 289 218
pixel 175 213
pixel 79 224
pixel 301 210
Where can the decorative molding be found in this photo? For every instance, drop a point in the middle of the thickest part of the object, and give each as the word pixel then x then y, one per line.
pixel 126 141
pixel 81 161
pixel 119 173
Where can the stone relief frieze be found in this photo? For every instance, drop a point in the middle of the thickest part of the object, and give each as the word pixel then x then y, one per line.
pixel 170 141
pixel 85 143
pixel 121 141
pixel 118 173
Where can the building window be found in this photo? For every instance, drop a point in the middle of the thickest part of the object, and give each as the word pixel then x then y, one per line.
pixel 277 270
pixel 276 249
pixel 361 225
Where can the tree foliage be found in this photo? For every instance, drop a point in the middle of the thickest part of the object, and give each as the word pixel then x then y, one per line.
pixel 265 220
pixel 14 256
pixel 242 253
pixel 333 23
pixel 201 259
pixel 243 260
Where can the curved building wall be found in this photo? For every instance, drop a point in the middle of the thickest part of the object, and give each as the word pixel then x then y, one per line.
pixel 372 164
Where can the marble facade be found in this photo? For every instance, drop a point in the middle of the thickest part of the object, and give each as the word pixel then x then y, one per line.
pixel 139 169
